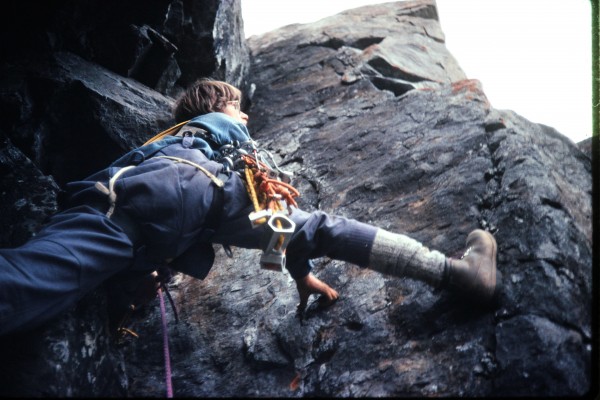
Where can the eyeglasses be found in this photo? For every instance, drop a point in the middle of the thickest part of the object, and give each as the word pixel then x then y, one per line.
pixel 235 104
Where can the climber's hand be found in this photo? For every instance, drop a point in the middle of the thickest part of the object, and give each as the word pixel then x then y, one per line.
pixel 310 284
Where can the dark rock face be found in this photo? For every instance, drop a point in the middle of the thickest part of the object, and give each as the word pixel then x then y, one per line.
pixel 166 44
pixel 70 139
pixel 378 123
pixel 83 82
pixel 72 357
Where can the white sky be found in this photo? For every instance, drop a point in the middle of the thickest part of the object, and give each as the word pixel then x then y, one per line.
pixel 532 56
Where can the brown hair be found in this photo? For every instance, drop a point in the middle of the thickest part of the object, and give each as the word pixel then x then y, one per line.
pixel 204 96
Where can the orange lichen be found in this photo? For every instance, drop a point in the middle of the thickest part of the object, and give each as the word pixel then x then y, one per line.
pixel 295 383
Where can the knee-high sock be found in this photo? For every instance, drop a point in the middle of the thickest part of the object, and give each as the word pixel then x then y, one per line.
pixel 402 256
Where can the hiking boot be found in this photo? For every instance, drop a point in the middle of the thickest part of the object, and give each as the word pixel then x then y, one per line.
pixel 474 274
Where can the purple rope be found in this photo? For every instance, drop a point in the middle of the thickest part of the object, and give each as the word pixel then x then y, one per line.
pixel 163 314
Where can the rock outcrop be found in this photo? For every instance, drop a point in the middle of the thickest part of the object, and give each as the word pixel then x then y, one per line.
pixel 379 123
pixel 83 82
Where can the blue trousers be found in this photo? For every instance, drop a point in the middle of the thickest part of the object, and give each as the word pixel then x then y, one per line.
pixel 69 257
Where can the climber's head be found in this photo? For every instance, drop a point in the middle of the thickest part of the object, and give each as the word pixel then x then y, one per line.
pixel 206 96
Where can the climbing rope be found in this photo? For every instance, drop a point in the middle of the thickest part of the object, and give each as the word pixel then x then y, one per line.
pixel 163 314
pixel 110 190
pixel 219 183
pixel 272 191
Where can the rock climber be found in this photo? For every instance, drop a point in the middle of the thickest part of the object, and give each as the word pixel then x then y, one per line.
pixel 170 200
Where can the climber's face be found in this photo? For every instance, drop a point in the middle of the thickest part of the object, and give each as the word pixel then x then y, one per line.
pixel 233 110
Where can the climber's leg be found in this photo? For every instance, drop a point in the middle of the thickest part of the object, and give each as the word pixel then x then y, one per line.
pixel 473 275
pixel 72 255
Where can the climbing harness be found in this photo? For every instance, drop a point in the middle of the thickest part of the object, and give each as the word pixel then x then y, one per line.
pixel 268 187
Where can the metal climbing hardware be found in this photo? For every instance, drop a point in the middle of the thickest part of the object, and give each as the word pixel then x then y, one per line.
pixel 280 229
pixel 271 194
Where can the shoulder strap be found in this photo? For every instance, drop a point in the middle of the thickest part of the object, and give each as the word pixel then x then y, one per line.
pixel 167 132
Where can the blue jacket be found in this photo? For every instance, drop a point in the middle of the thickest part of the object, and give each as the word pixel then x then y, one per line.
pixel 171 202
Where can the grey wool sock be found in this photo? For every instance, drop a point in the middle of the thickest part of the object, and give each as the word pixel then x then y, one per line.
pixel 402 256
